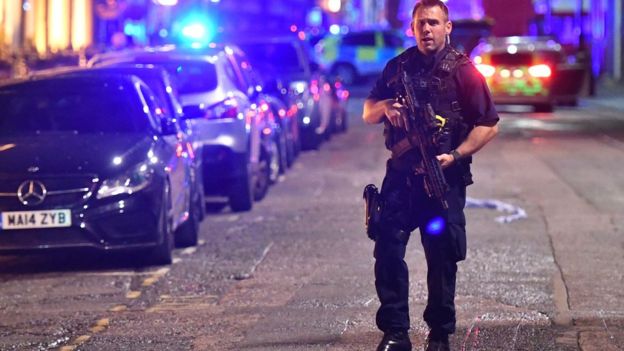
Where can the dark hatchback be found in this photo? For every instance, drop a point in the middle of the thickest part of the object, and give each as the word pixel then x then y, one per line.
pixel 87 162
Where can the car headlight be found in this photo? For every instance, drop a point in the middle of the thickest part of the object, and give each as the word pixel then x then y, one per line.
pixel 135 179
pixel 298 87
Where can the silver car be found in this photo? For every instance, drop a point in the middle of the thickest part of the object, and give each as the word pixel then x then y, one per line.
pixel 223 108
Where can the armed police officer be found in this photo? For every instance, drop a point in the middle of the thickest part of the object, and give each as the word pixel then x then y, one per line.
pixel 444 85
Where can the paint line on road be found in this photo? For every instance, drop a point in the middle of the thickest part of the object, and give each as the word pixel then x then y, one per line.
pixel 476 320
pixel 100 325
pixel 81 339
pixel 155 276
pixel 346 325
pixel 242 276
pixel 606 328
pixel 149 281
pixel 189 250
pixel 133 294
pixel 515 338
pixel 118 308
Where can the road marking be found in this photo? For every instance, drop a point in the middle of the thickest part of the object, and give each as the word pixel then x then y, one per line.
pixel 476 320
pixel 82 339
pixel 149 281
pixel 118 308
pixel 346 325
pixel 242 276
pixel 133 294
pixel 100 325
pixel 189 250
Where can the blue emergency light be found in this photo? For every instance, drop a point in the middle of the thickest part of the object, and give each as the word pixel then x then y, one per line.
pixel 196 31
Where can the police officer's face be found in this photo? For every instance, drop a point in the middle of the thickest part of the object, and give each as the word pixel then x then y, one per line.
pixel 430 26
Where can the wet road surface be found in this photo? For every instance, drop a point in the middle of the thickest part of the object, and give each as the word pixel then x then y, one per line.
pixel 296 272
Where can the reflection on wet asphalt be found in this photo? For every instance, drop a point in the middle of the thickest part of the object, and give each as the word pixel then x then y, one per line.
pixel 296 273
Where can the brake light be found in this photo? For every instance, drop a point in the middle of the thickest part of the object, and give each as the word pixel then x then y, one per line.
pixel 486 70
pixel 224 110
pixel 540 71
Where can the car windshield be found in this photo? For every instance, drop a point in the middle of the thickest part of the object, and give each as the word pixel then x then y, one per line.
pixel 192 76
pixel 282 55
pixel 79 106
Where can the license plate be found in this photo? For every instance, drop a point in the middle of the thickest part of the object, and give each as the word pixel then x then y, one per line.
pixel 35 219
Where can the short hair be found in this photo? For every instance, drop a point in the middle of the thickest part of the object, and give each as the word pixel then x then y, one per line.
pixel 431 3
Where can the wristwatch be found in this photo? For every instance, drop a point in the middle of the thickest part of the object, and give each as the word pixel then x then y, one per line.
pixel 456 155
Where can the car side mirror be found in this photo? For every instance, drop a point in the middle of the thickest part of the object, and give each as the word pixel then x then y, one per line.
pixel 193 112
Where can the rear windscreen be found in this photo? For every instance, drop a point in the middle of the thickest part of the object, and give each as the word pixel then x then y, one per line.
pixel 550 57
pixel 505 59
pixel 191 76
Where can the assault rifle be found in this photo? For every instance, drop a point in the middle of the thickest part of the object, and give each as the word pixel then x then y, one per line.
pixel 423 134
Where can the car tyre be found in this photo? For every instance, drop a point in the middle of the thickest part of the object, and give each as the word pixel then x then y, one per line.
pixel 163 253
pixel 283 154
pixel 188 232
pixel 275 161
pixel 263 177
pixel 241 193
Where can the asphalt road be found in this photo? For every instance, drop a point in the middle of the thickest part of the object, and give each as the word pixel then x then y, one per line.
pixel 296 272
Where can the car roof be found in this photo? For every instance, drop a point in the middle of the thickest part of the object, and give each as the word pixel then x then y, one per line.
pixel 89 76
pixel 161 53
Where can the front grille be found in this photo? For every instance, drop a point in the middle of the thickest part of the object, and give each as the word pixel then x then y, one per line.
pixel 62 191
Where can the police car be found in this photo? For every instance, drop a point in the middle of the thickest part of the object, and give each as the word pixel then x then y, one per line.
pixel 358 53
pixel 528 70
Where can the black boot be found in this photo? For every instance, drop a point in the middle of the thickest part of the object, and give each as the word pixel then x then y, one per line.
pixel 395 341
pixel 437 342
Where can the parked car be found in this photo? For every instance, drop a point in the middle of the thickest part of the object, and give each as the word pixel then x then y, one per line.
pixel 86 161
pixel 528 70
pixel 223 109
pixel 170 112
pixel 289 72
pixel 358 53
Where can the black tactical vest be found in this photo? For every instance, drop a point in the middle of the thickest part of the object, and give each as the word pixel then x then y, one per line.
pixel 438 87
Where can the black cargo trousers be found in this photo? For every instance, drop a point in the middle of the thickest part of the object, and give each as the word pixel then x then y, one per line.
pixel 443 236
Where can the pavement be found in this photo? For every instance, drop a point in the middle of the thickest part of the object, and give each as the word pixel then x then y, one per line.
pixel 609 94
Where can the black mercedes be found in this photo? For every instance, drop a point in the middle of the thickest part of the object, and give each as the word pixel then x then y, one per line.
pixel 87 161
